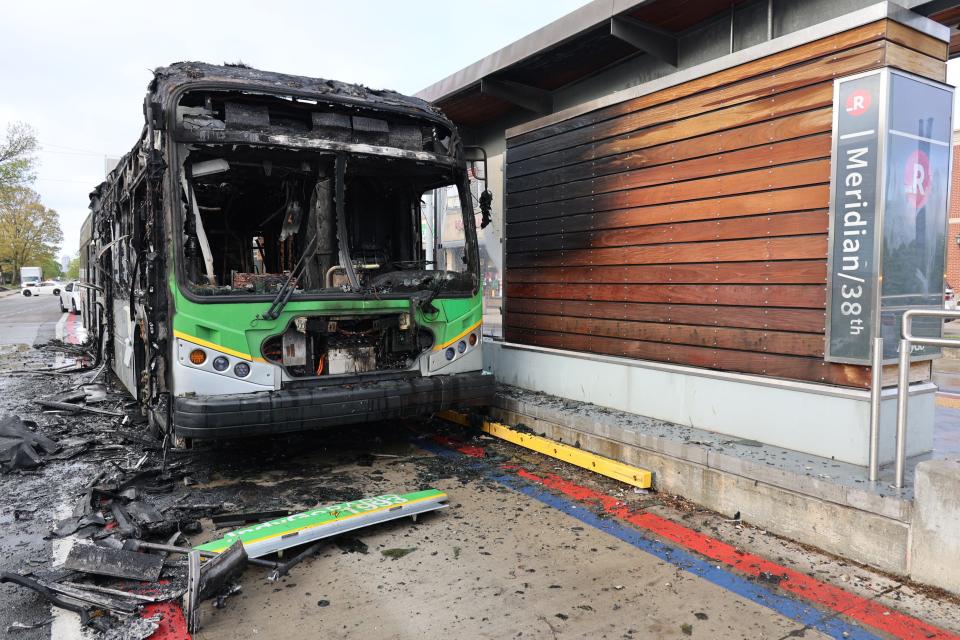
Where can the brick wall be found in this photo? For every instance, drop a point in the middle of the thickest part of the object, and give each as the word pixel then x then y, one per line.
pixel 953 229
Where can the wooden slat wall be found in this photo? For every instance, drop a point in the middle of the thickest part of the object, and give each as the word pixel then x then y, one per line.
pixel 690 225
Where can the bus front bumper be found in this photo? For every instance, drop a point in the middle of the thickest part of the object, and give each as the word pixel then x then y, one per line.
pixel 302 409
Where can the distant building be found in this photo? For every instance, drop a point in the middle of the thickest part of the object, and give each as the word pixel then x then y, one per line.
pixel 953 228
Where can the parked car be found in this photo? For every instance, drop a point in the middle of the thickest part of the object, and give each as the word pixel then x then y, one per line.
pixel 70 299
pixel 949 299
pixel 46 287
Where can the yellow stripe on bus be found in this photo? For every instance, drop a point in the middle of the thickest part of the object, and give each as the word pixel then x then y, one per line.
pixel 460 335
pixel 210 345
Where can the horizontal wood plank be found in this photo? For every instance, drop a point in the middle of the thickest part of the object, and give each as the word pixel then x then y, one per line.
pixel 749 93
pixel 780 272
pixel 791 151
pixel 786 128
pixel 770 201
pixel 793 343
pixel 786 104
pixel 766 364
pixel 915 62
pixel 784 224
pixel 774 318
pixel 778 61
pixel 790 248
pixel 793 175
pixel 913 39
pixel 801 296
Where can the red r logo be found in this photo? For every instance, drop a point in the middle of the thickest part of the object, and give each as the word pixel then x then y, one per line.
pixel 858 102
pixel 916 178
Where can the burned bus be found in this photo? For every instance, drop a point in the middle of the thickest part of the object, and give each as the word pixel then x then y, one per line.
pixel 265 259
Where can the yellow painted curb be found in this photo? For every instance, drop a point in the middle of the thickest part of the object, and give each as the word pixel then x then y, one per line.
pixel 626 473
pixel 948 401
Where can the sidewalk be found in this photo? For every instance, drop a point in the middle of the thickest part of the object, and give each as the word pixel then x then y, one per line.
pixel 817 501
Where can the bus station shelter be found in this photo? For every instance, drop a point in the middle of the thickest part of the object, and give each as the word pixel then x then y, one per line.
pixel 662 210
pixel 705 212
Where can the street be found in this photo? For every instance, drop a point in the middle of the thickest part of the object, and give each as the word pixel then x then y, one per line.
pixel 529 547
pixel 26 321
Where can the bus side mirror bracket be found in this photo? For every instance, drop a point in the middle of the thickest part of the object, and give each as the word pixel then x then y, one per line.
pixel 485 200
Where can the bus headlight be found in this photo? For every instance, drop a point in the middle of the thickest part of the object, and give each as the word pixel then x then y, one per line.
pixel 198 356
pixel 242 369
pixel 450 353
pixel 472 339
pixel 462 346
pixel 220 363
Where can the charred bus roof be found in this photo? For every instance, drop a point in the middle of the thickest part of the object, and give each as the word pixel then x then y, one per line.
pixel 171 82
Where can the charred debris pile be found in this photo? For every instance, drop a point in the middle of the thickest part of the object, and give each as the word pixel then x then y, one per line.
pixel 125 562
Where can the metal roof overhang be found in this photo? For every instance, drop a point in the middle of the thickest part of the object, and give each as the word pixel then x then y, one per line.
pixel 606 32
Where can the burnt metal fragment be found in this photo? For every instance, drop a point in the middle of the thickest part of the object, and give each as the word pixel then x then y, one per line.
pixel 19 444
pixel 236 519
pixel 117 563
pixel 209 579
pixel 53 598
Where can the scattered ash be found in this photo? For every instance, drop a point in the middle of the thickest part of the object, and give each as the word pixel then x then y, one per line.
pixel 464 469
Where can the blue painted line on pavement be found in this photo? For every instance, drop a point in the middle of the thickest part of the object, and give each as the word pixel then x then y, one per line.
pixel 826 622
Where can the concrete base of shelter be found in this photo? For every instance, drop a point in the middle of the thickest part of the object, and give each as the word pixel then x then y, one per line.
pixel 819 419
pixel 814 500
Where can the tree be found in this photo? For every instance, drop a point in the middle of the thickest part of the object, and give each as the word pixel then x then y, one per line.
pixel 73 269
pixel 17 161
pixel 29 232
pixel 51 268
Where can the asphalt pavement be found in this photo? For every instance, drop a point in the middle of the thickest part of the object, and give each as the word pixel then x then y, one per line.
pixel 28 502
pixel 528 548
pixel 26 320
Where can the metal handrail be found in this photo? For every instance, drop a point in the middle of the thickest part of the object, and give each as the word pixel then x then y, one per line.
pixel 907 340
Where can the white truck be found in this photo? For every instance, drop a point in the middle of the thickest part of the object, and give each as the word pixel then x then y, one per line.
pixel 30 274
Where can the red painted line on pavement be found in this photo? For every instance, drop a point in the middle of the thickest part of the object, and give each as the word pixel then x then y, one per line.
pixel 865 611
pixel 70 329
pixel 173 624
pixel 457 445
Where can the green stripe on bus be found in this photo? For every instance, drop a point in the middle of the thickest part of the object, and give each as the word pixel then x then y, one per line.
pixel 318 518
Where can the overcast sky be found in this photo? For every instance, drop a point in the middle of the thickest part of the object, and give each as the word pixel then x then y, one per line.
pixel 78 71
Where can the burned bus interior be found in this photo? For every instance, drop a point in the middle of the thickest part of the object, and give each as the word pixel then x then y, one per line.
pixel 284 197
pixel 329 202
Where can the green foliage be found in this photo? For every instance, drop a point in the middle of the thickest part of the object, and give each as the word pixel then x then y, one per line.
pixel 17 161
pixel 73 269
pixel 51 268
pixel 30 233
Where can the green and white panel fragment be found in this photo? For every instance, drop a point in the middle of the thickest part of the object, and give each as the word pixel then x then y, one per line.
pixel 300 528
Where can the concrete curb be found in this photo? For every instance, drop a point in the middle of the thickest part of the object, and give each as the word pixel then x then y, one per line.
pixel 821 503
pixel 873 539
pixel 935 551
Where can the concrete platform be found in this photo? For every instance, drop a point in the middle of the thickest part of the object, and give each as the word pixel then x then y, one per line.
pixel 818 501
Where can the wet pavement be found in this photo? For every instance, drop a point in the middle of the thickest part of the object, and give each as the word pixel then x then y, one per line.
pixel 528 548
pixel 27 320
pixel 29 499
